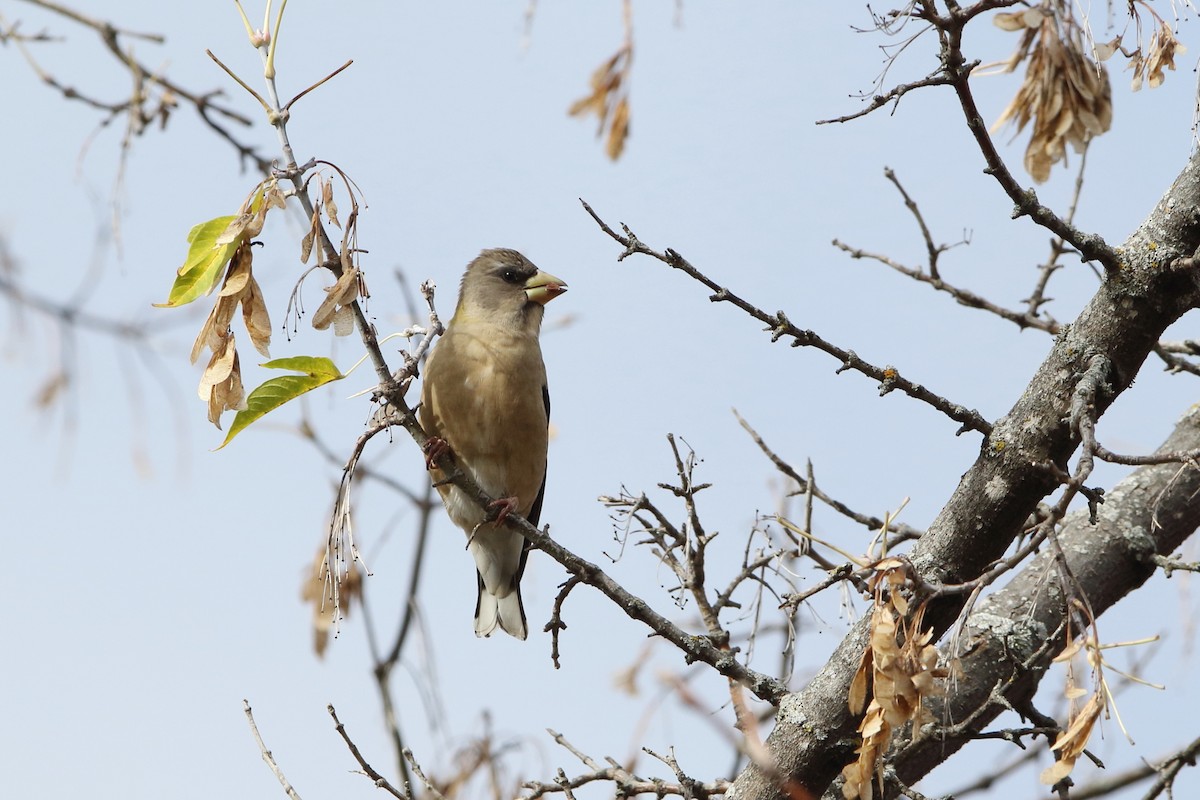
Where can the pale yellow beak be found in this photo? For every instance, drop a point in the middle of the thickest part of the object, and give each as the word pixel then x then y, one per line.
pixel 544 287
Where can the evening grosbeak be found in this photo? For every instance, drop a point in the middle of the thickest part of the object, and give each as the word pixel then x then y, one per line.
pixel 484 399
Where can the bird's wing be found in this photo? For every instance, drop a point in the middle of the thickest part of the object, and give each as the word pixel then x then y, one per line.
pixel 535 512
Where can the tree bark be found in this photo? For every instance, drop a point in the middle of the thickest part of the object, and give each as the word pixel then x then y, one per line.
pixel 1011 639
pixel 814 734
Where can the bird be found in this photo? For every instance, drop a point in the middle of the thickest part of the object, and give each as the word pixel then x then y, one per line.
pixel 484 399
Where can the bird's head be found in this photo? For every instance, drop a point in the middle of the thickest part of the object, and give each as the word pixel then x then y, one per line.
pixel 504 286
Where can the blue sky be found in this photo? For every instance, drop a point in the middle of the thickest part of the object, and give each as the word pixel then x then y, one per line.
pixel 155 583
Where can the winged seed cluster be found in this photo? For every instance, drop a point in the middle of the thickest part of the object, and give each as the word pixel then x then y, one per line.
pixel 221 385
pixel 898 670
pixel 609 100
pixel 1065 93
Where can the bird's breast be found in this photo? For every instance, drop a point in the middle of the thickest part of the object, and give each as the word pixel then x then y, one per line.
pixel 483 395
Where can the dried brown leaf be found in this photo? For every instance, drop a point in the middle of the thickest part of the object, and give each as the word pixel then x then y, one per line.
pixel 860 684
pixel 1070 743
pixel 1074 739
pixel 343 321
pixel 221 385
pixel 605 74
pixel 341 294
pixel 256 318
pixel 216 327
pixel 273 196
pixel 1057 771
pixel 883 634
pixel 310 238
pixel 331 209
pixel 235 228
pixel 1009 21
pixel 618 130
pixel 316 590
pixel 220 367
pixel 51 388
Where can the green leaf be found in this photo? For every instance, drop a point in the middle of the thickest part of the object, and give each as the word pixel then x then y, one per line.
pixel 277 391
pixel 205 261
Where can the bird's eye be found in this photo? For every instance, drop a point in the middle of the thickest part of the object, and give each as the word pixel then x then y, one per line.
pixel 510 276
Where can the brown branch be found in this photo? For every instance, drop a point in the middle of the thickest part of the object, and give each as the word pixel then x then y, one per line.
pixel 1037 298
pixel 378 779
pixel 141 116
pixel 383 666
pixel 1171 768
pixel 964 297
pixel 1010 640
pixel 1179 457
pixel 556 625
pixel 625 782
pixel 933 251
pixel 891 96
pixel 999 492
pixel 809 487
pixel 1175 363
pixel 1091 247
pixel 1170 564
pixel 780 326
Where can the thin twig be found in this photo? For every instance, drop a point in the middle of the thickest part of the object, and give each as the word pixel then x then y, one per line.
pixel 266 754
pixel 964 297
pixel 380 781
pixel 780 326
pixel 809 487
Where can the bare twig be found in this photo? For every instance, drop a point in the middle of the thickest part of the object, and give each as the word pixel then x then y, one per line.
pixel 556 625
pixel 891 96
pixel 625 783
pixel 416 768
pixel 964 297
pixel 1169 564
pixel 809 487
pixel 1176 363
pixel 1169 770
pixel 266 754
pixel 214 115
pixel 379 781
pixel 933 251
pixel 780 326
pixel 1058 248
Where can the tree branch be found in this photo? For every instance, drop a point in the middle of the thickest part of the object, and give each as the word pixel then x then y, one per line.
pixel 815 734
pixel 780 326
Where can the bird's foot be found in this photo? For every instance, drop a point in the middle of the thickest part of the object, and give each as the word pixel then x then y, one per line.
pixel 435 448
pixel 504 506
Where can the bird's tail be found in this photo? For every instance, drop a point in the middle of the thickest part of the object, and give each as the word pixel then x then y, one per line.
pixel 507 612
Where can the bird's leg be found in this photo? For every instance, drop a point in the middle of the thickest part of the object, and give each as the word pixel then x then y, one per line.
pixel 435 448
pixel 504 506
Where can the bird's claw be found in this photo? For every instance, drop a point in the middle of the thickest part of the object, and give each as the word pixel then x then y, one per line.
pixel 504 506
pixel 435 448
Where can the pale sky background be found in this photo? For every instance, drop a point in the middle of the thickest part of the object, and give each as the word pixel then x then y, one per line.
pixel 154 584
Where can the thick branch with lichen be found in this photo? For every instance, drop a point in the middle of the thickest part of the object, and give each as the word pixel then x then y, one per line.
pixel 1154 285
pixel 1009 640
